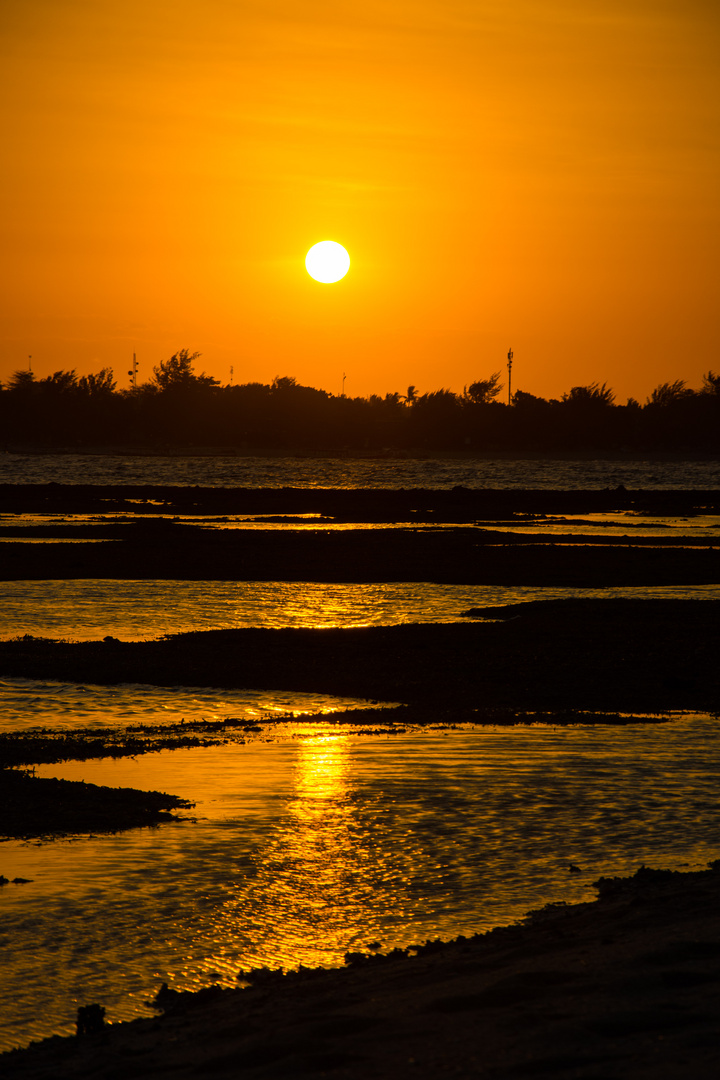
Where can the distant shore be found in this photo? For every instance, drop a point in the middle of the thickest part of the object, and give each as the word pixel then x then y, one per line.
pixel 417 453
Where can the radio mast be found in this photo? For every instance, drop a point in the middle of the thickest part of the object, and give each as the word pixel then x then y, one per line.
pixel 133 373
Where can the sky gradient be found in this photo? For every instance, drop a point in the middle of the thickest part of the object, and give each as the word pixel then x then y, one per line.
pixel 503 173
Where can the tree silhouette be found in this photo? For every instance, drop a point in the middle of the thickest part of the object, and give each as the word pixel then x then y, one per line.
pixel 98 385
pixel 668 393
pixel 711 383
pixel 60 382
pixel 177 373
pixel 21 381
pixel 592 395
pixel 484 391
pixel 180 408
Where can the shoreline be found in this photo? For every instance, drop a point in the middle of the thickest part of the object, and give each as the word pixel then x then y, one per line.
pixel 625 986
pixel 390 453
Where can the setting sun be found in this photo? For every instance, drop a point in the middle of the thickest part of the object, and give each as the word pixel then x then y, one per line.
pixel 541 174
pixel 327 261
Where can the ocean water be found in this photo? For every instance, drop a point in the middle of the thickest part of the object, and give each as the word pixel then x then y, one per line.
pixel 309 841
pixel 336 472
pixel 88 610
pixel 27 704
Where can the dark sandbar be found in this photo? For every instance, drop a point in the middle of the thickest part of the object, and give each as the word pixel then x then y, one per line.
pixel 155 547
pixel 42 807
pixel 604 655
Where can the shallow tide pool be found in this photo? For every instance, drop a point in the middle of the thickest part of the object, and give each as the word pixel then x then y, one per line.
pixel 311 840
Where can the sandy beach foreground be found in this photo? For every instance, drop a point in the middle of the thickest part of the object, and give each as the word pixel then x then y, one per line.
pixel 625 987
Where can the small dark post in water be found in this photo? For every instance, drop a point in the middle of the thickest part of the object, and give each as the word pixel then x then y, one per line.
pixel 510 360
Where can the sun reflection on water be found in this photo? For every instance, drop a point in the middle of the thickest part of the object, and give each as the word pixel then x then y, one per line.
pixel 313 841
pixel 312 876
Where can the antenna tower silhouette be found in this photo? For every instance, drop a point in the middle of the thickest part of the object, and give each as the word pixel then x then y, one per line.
pixel 133 373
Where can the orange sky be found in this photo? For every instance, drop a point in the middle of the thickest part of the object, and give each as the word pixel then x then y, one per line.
pixel 503 173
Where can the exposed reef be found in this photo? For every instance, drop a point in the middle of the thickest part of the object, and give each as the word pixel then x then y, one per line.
pixel 459 504
pixel 473 543
pixel 602 655
pixel 42 807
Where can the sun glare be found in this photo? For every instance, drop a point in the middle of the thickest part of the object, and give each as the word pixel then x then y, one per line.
pixel 327 261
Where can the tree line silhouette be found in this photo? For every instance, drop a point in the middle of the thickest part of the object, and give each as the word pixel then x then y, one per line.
pixel 178 407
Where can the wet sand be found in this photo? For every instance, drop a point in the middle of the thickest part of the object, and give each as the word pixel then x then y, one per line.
pixel 626 987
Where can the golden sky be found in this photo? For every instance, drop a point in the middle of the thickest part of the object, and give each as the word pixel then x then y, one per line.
pixel 541 175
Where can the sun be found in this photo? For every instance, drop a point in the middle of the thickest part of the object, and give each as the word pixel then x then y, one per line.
pixel 327 261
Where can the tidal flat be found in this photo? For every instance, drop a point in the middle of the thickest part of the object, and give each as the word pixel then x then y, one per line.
pixel 557 662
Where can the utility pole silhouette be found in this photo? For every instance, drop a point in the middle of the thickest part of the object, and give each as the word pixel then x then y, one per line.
pixel 510 360
pixel 342 392
pixel 133 373
pixel 29 363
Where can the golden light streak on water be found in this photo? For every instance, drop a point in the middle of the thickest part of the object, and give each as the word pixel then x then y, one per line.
pixel 136 610
pixel 312 876
pixel 308 843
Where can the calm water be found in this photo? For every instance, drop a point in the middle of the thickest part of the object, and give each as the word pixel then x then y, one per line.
pixel 31 703
pixel 312 840
pixel 141 610
pixel 231 471
pixel 322 841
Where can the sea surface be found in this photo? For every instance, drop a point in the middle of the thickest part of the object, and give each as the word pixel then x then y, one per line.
pixel 31 704
pixel 88 610
pixel 312 839
pixel 338 472
pixel 309 841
